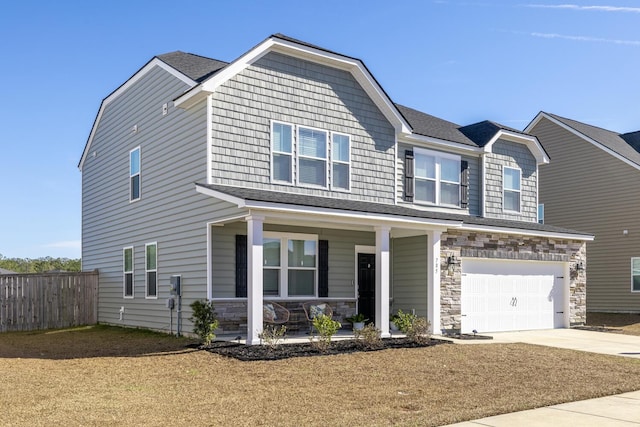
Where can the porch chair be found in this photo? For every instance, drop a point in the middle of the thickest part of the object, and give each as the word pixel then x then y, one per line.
pixel 275 314
pixel 313 309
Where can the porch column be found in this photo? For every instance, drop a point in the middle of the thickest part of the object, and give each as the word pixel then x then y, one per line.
pixel 382 280
pixel 254 279
pixel 433 281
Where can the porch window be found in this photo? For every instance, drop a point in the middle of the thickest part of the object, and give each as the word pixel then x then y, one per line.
pixel 511 189
pixel 134 174
pixel 635 274
pixel 437 178
pixel 290 265
pixel 312 157
pixel 127 272
pixel 151 267
pixel 282 152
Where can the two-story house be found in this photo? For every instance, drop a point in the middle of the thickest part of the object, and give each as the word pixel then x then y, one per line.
pixel 591 184
pixel 289 175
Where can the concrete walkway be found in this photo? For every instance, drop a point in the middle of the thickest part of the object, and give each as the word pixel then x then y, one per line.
pixel 619 410
pixel 622 410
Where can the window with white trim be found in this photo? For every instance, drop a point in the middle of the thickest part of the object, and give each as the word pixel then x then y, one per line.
pixel 282 152
pixel 312 157
pixel 134 174
pixel 127 272
pixel 436 178
pixel 635 274
pixel 541 213
pixel 151 269
pixel 290 265
pixel 511 189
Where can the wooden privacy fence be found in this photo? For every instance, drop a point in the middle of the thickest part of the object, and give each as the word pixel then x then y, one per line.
pixel 45 301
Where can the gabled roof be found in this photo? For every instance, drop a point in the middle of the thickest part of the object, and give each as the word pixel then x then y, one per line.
pixel 428 125
pixel 196 67
pixel 622 146
pixel 266 199
pixel 5 271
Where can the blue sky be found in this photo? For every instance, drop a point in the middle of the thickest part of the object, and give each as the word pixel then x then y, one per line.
pixel 463 61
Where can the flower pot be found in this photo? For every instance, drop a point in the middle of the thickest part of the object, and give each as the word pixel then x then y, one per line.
pixel 357 326
pixel 393 327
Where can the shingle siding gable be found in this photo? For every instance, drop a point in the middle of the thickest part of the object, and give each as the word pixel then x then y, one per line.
pixel 281 88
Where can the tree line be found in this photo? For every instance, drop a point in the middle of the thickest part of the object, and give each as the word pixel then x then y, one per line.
pixel 39 265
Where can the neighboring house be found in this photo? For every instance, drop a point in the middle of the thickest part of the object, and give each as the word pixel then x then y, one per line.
pixel 290 175
pixel 591 184
pixel 5 271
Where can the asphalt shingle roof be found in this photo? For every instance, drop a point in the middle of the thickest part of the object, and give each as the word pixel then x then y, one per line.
pixel 259 195
pixel 620 144
pixel 195 67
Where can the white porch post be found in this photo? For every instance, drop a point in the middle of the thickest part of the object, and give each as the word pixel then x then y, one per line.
pixel 254 279
pixel 382 280
pixel 433 281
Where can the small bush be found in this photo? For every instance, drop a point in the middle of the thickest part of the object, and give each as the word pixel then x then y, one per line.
pixel 327 328
pixel 419 331
pixel 272 336
pixel 204 321
pixel 369 336
pixel 404 321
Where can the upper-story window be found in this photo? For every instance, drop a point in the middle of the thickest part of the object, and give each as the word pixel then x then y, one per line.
pixel 511 189
pixel 541 213
pixel 437 178
pixel 312 157
pixel 301 154
pixel 341 161
pixel 134 174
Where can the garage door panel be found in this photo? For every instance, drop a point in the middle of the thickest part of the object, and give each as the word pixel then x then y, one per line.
pixel 504 295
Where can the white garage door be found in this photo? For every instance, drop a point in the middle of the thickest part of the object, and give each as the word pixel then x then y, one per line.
pixel 511 295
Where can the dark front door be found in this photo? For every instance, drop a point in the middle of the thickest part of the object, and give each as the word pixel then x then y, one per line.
pixel 367 286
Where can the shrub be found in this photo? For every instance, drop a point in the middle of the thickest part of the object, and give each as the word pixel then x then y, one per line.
pixel 204 321
pixel 271 335
pixel 326 327
pixel 404 321
pixel 369 336
pixel 419 331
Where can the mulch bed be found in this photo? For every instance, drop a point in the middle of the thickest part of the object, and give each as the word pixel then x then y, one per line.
pixel 598 328
pixel 249 353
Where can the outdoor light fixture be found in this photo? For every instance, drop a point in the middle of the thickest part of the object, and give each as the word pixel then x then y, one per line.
pixel 452 260
pixel 579 266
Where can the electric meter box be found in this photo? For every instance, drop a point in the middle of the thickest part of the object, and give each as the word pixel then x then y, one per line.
pixel 175 285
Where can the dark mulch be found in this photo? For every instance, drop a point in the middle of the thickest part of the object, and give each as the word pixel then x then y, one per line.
pixel 470 337
pixel 596 328
pixel 248 353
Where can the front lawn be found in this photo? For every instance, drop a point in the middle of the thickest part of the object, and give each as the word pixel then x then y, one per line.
pixel 111 376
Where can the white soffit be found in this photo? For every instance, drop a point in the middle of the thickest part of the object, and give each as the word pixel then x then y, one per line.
pixel 530 141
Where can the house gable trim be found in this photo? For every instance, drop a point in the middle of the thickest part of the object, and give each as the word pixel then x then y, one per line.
pixel 275 44
pixel 593 142
pixel 155 62
pixel 530 141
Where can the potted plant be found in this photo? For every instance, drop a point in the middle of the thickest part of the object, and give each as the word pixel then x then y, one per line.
pixel 357 320
pixel 393 326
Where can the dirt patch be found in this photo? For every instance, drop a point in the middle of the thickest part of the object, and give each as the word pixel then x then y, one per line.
pixel 624 323
pixel 286 351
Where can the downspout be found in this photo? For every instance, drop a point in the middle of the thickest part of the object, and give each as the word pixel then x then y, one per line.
pixel 482 186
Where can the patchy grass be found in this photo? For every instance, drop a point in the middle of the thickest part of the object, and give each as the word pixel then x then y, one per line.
pixel 111 376
pixel 626 323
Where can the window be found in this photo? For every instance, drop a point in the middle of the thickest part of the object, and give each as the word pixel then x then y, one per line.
pixel 127 271
pixel 635 274
pixel 308 156
pixel 312 157
pixel 151 268
pixel 511 189
pixel 541 213
pixel 290 265
pixel 437 178
pixel 134 174
pixel 340 161
pixel 282 152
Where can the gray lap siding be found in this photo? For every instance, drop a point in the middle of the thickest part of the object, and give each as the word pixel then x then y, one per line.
pixel 285 89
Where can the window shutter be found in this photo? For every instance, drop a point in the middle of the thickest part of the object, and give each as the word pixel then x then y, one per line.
pixel 408 175
pixel 241 266
pixel 323 268
pixel 464 184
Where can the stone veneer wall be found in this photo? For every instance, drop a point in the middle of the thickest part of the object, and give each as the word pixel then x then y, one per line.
pixel 232 315
pixel 512 247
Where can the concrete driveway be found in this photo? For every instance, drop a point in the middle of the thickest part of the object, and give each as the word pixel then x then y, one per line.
pixel 574 339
